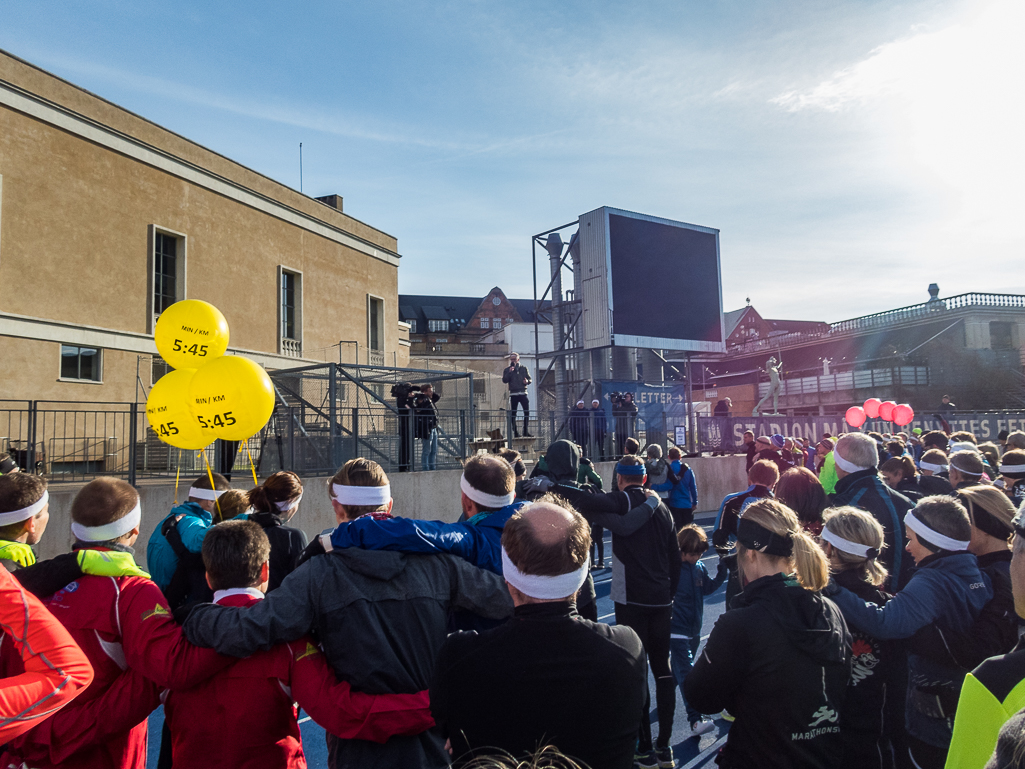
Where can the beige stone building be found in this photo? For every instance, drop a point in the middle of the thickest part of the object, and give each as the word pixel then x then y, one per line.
pixel 107 218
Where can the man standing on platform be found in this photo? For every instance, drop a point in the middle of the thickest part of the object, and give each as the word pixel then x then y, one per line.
pixel 517 378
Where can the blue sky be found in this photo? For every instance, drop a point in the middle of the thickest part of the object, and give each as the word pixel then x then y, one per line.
pixel 851 153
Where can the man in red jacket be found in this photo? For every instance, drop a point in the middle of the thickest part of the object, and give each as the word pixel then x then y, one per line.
pixel 123 625
pixel 245 716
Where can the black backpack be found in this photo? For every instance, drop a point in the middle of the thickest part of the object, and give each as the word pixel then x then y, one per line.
pixel 188 585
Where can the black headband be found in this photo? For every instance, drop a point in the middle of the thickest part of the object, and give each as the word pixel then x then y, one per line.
pixel 985 521
pixel 7 465
pixel 756 537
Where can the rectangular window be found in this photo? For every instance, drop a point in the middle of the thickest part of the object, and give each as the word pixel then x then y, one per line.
pixel 485 322
pixel 290 312
pixel 437 325
pixel 412 325
pixel 80 363
pixel 1000 336
pixel 375 323
pixel 497 323
pixel 167 269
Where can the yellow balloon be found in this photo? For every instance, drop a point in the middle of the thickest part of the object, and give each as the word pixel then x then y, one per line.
pixel 168 412
pixel 190 333
pixel 231 397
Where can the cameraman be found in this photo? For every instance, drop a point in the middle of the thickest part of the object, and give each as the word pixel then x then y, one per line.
pixel 404 393
pixel 426 427
pixel 517 377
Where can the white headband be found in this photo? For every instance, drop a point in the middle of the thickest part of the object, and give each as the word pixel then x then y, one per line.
pixel 934 468
pixel 208 494
pixel 109 531
pixel 848 467
pixel 932 536
pixel 361 495
pixel 543 587
pixel 485 500
pixel 288 504
pixel 854 548
pixel 964 472
pixel 581 403
pixel 17 516
pixel 1012 468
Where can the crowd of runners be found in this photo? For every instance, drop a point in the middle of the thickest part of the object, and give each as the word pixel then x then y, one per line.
pixel 872 583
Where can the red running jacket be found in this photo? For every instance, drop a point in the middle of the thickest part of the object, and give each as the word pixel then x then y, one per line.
pixel 123 625
pixel 55 669
pixel 245 716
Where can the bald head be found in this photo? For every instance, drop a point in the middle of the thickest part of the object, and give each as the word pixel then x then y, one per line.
pixel 547 538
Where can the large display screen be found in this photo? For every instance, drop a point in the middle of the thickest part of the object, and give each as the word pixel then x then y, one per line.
pixel 665 284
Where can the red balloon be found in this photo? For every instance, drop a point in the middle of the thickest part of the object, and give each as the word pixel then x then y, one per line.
pixel 903 414
pixel 855 416
pixel 886 410
pixel 872 408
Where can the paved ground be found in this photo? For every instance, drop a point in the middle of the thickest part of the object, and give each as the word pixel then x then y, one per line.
pixel 690 753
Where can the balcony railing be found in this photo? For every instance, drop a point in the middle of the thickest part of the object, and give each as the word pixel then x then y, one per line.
pixel 907 376
pixel 913 312
pixel 422 349
pixel 291 348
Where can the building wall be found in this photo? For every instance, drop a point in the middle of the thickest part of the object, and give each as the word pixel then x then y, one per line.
pixel 83 184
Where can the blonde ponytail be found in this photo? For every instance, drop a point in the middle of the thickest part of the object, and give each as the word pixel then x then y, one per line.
pixel 807 560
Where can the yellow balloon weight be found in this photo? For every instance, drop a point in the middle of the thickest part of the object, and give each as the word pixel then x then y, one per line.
pixel 231 397
pixel 168 412
pixel 191 333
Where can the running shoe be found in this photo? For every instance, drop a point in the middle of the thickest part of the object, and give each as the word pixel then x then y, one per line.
pixel 699 727
pixel 665 758
pixel 647 760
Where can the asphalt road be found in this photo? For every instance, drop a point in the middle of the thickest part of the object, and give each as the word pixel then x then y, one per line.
pixel 690 753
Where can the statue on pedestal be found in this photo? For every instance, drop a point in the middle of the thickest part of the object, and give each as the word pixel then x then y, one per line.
pixel 773 369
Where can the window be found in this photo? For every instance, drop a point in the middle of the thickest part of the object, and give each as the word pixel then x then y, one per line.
pixel 437 325
pixel 375 323
pixel 412 325
pixel 508 321
pixel 290 312
pixel 80 363
pixel 167 277
pixel 485 322
pixel 158 367
pixel 1000 335
pixel 497 323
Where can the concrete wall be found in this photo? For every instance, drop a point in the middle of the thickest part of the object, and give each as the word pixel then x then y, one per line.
pixel 433 495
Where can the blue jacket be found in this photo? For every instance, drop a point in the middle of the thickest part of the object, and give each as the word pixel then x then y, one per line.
pixel 192 528
pixel 946 592
pixel 689 601
pixel 682 494
pixel 478 540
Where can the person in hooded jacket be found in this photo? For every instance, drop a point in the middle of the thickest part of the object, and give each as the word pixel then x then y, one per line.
pixel 682 488
pixel 872 716
pixel 947 591
pixel 779 660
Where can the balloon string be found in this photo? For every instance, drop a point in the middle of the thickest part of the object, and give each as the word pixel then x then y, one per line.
pixel 177 475
pixel 210 475
pixel 251 464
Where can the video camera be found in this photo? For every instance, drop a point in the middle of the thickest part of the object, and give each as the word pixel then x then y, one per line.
pixel 402 390
pixel 617 398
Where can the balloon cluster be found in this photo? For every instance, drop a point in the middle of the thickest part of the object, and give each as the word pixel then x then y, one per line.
pixel 900 414
pixel 209 394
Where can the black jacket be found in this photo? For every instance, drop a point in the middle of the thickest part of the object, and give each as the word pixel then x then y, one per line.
pixel 866 490
pixel 645 559
pixel 381 618
pixel 779 661
pixel 580 425
pixel 286 546
pixel 517 377
pixel 911 489
pixel 545 676
pixel 426 415
pixel 874 703
pixel 934 484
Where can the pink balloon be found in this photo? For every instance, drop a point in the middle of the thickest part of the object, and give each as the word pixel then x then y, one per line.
pixel 855 416
pixel 903 414
pixel 886 410
pixel 872 408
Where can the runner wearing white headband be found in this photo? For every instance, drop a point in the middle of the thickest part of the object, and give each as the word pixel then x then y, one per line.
pixel 24 513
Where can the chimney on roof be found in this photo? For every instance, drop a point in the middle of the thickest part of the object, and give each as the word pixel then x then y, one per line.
pixel 934 292
pixel 335 201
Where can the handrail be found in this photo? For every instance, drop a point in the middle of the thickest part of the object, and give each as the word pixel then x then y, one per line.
pixel 898 315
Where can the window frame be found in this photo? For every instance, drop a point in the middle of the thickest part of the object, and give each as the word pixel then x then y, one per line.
pixel 381 329
pixel 180 267
pixel 79 379
pixel 297 338
pixel 485 323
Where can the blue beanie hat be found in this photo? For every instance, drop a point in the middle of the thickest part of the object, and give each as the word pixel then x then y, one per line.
pixel 779 441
